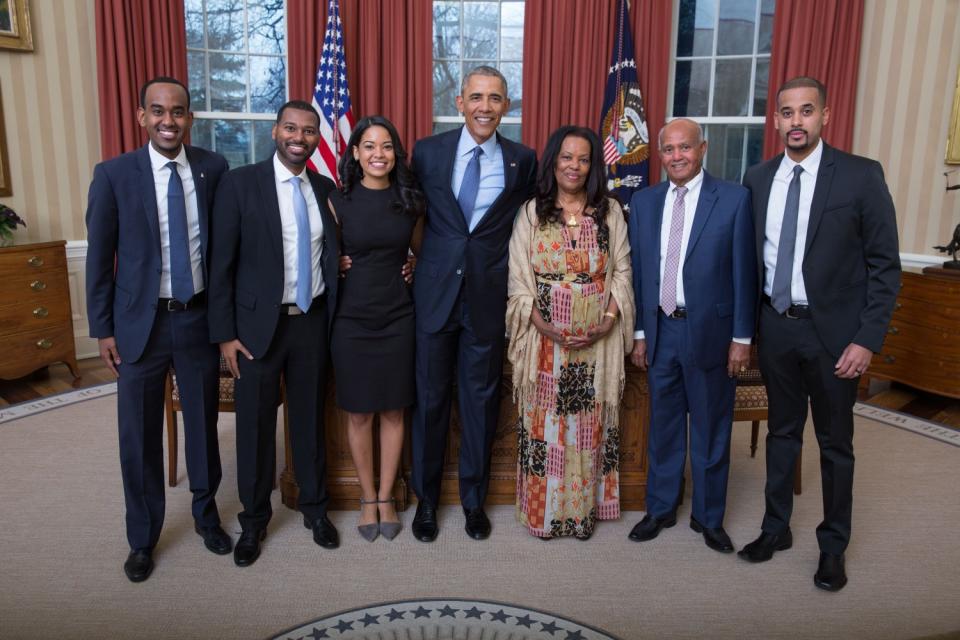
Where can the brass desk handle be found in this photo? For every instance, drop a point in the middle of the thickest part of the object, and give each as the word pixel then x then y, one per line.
pixel 35 261
pixel 38 285
pixel 40 312
pixel 893 331
pixel 889 359
pixel 44 343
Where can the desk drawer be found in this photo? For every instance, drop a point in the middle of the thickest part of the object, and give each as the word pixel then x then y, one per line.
pixel 27 351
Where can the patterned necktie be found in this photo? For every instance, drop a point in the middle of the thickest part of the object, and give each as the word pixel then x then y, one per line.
pixel 304 251
pixel 668 286
pixel 780 295
pixel 181 270
pixel 467 198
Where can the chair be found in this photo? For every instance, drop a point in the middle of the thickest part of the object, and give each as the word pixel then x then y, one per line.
pixel 751 406
pixel 171 403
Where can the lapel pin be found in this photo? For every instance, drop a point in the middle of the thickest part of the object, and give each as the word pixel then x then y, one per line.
pixel 513 164
pixel 201 175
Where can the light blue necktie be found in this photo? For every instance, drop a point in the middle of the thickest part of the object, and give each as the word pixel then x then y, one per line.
pixel 780 295
pixel 181 271
pixel 467 198
pixel 304 252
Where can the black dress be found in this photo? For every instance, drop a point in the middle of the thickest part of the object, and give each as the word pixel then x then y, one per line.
pixel 373 331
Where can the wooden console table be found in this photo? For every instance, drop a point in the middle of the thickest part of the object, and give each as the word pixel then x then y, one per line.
pixel 922 348
pixel 36 323
pixel 345 489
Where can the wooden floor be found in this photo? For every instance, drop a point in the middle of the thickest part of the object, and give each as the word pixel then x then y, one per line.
pixel 57 379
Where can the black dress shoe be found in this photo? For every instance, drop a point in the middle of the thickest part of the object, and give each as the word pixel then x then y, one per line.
pixel 717 539
pixel 761 549
pixel 478 524
pixel 139 565
pixel 324 533
pixel 649 528
pixel 424 525
pixel 248 547
pixel 830 575
pixel 215 539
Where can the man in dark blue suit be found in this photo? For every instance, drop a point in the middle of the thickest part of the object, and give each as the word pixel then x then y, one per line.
pixel 148 218
pixel 273 285
pixel 474 181
pixel 694 275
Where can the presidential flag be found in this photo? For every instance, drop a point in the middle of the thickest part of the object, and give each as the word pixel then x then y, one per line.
pixel 623 123
pixel 331 98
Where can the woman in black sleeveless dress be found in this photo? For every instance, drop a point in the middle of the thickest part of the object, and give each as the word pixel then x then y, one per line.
pixel 379 208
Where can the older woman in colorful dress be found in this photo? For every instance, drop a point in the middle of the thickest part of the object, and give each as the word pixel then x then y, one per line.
pixel 571 319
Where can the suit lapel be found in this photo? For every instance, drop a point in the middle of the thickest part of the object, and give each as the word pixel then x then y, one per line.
pixel 820 193
pixel 200 184
pixel 762 202
pixel 510 170
pixel 330 254
pixel 656 220
pixel 271 206
pixel 708 198
pixel 148 191
pixel 447 157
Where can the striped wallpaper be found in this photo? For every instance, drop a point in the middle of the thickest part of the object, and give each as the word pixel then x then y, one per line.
pixel 908 71
pixel 908 68
pixel 51 120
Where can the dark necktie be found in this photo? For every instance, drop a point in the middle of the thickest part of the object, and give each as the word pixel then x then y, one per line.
pixel 780 295
pixel 467 198
pixel 304 249
pixel 181 270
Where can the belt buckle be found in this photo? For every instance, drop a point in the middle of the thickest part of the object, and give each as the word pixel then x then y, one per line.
pixel 789 313
pixel 174 305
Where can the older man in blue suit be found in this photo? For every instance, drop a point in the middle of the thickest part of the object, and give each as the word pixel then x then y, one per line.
pixel 474 180
pixel 148 218
pixel 694 274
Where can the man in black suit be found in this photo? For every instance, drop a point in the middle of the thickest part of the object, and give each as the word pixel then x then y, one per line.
pixel 273 281
pixel 829 263
pixel 474 180
pixel 147 248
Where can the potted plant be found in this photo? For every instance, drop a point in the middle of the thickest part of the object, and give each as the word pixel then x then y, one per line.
pixel 8 222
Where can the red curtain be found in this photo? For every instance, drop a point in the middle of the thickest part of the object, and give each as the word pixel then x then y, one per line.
pixel 388 53
pixel 819 38
pixel 566 52
pixel 136 40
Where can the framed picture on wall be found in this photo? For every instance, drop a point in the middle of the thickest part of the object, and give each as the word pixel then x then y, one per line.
pixel 5 187
pixel 15 25
pixel 953 132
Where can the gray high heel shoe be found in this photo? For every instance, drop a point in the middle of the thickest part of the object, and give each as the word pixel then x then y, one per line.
pixel 389 530
pixel 368 532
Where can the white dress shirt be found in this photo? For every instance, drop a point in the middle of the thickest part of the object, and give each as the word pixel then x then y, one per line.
pixel 491 172
pixel 775 206
pixel 288 226
pixel 161 182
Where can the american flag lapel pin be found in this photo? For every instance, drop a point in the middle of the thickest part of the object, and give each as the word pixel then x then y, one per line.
pixel 513 164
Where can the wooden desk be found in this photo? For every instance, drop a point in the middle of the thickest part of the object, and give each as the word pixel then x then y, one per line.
pixel 345 489
pixel 922 348
pixel 36 322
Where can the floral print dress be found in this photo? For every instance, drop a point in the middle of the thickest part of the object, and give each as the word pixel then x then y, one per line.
pixel 568 473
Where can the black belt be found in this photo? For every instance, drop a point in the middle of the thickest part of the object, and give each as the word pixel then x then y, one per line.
pixel 291 308
pixel 794 311
pixel 171 304
pixel 679 312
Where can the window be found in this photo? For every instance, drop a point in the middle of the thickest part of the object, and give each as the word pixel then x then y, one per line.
pixel 720 73
pixel 466 34
pixel 237 67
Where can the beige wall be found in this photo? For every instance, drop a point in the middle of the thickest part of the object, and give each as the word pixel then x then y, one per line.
pixel 51 116
pixel 908 71
pixel 908 68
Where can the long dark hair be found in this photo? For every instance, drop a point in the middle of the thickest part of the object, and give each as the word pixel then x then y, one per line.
pixel 411 200
pixel 596 184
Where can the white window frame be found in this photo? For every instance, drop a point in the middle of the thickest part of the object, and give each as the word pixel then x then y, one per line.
pixel 459 119
pixel 246 115
pixel 755 56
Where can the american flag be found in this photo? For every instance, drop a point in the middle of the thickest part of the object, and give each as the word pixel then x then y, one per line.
pixel 331 98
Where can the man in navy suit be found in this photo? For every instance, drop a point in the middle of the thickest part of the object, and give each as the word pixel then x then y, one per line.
pixel 828 262
pixel 474 180
pixel 694 277
pixel 148 217
pixel 273 285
